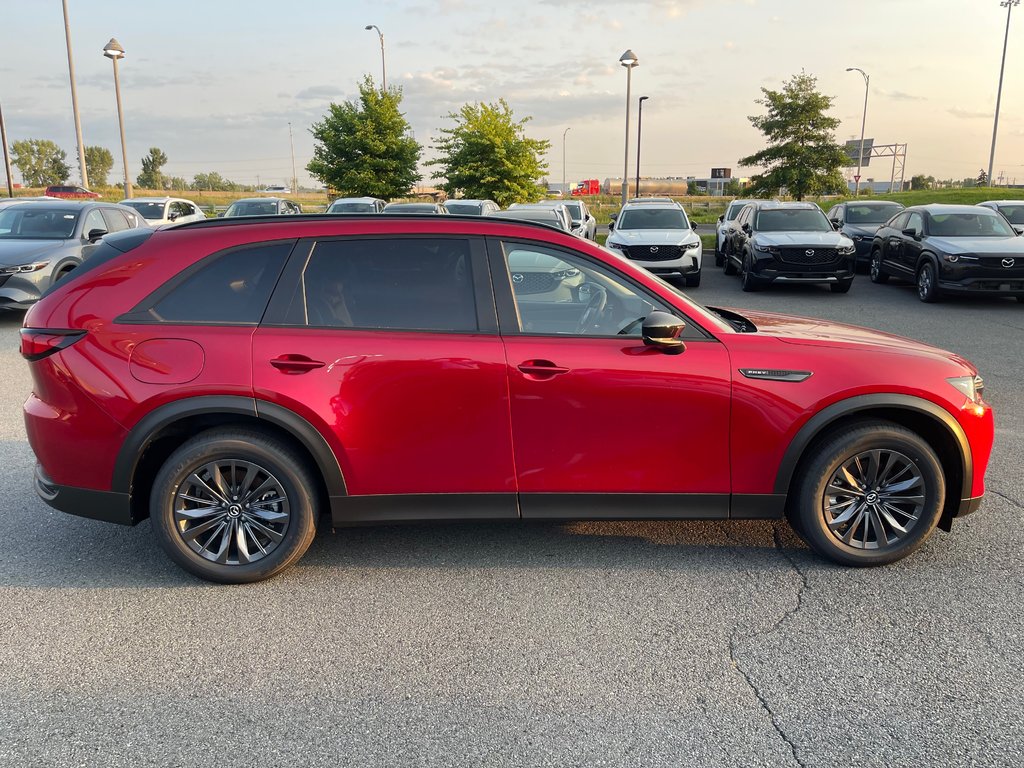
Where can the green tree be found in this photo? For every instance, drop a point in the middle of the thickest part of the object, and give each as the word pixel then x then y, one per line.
pixel 923 182
pixel 176 183
pixel 488 155
pixel 152 177
pixel 40 161
pixel 99 162
pixel 732 188
pixel 213 182
pixel 982 180
pixel 363 147
pixel 802 154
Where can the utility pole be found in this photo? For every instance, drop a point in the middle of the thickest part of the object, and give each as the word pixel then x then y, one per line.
pixel 999 93
pixel 565 189
pixel 295 179
pixel 74 100
pixel 863 122
pixel 7 155
pixel 639 128
pixel 628 60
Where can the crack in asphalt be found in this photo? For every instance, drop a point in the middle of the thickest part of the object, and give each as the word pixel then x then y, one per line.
pixel 1004 497
pixel 735 659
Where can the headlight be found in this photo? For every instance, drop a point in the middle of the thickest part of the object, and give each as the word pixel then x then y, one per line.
pixel 953 258
pixel 613 246
pixel 565 274
pixel 846 250
pixel 972 387
pixel 688 246
pixel 765 248
pixel 23 268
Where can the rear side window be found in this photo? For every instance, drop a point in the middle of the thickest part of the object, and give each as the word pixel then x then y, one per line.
pixel 229 288
pixel 404 284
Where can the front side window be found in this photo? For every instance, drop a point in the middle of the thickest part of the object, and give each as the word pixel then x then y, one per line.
pixel 869 214
pixel 1015 213
pixel 900 222
pixel 93 221
pixel 151 211
pixel 558 293
pixel 915 222
pixel 422 284
pixel 116 221
pixel 230 288
pixel 733 211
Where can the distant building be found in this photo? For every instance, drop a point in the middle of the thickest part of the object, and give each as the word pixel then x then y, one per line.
pixel 716 183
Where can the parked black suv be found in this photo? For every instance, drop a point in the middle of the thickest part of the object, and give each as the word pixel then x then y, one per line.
pixel 950 249
pixel 859 220
pixel 789 242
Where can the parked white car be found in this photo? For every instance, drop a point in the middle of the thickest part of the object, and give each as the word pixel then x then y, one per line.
pixel 165 210
pixel 656 234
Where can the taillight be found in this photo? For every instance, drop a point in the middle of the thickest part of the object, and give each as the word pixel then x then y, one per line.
pixel 37 343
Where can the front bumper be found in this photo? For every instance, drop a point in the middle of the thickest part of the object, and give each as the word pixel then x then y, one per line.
pixel 984 286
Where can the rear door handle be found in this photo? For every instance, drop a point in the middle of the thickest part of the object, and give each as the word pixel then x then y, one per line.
pixel 295 364
pixel 541 368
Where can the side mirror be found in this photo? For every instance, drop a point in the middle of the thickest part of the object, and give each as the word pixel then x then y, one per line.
pixel 911 233
pixel 721 219
pixel 836 223
pixel 662 330
pixel 693 225
pixel 172 215
pixel 611 225
pixel 746 228
pixel 95 235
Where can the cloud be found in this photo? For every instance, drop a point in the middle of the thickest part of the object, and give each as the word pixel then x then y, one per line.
pixel 898 95
pixel 967 114
pixel 320 92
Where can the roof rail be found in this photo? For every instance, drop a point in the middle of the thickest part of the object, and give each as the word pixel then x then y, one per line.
pixel 235 221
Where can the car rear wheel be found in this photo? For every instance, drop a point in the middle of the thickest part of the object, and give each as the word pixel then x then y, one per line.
pixel 927 283
pixel 870 495
pixel 876 272
pixel 234 506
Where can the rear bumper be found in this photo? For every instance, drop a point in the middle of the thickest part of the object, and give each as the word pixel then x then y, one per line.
pixel 107 506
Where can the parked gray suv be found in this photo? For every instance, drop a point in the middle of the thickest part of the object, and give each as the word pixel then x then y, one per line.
pixel 41 242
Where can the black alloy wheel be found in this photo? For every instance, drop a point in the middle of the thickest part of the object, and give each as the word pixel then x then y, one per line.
pixel 748 282
pixel 728 267
pixel 870 495
pixel 875 270
pixel 234 506
pixel 927 283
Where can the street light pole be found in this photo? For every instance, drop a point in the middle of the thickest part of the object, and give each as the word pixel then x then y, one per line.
pixel 565 189
pixel 383 65
pixel 74 100
pixel 639 128
pixel 115 52
pixel 863 122
pixel 291 140
pixel 628 60
pixel 999 94
pixel 7 155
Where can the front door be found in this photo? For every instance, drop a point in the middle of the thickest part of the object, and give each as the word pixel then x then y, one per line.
pixel 602 425
pixel 389 347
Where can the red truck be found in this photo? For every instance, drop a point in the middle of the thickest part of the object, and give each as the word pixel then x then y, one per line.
pixel 587 187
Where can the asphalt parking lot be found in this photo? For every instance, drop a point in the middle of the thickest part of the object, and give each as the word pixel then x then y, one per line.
pixel 640 644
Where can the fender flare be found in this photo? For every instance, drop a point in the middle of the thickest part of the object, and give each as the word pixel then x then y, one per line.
pixel 821 420
pixel 141 435
pixel 927 256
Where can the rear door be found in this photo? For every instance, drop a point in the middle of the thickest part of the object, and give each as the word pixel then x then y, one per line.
pixel 389 346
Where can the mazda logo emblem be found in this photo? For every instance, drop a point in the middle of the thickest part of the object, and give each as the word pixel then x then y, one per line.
pixel 654 249
pixel 1008 263
pixel 518 277
pixel 809 252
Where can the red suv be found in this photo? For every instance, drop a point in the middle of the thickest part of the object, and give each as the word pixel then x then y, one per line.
pixel 234 380
pixel 71 193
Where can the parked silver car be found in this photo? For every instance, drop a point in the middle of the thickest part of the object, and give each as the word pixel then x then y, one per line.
pixel 551 212
pixel 1013 210
pixel 262 206
pixel 158 211
pixel 356 205
pixel 41 242
pixel 472 207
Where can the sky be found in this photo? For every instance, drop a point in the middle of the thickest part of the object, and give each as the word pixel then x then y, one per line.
pixel 215 83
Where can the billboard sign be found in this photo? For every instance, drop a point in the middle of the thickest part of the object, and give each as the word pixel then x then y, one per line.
pixel 853 149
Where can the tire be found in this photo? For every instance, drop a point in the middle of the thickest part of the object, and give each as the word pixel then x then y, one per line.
pixel 277 527
pixel 875 268
pixel 867 537
pixel 748 282
pixel 843 286
pixel 693 281
pixel 64 272
pixel 927 283
pixel 727 265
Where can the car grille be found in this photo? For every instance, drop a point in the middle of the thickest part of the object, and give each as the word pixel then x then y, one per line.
pixel 533 282
pixel 654 252
pixel 806 256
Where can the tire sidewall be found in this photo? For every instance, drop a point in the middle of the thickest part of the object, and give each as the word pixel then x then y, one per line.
pixel 810 501
pixel 276 459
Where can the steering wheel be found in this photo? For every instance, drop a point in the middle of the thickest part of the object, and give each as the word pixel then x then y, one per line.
pixel 595 308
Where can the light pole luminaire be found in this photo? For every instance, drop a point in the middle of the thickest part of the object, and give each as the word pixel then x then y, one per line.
pixel 115 52
pixel 628 60
pixel 383 65
pixel 639 128
pixel 565 189
pixel 999 93
pixel 863 122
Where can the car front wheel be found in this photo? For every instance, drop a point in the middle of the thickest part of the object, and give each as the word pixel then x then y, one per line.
pixel 927 283
pixel 747 281
pixel 870 495
pixel 876 272
pixel 234 506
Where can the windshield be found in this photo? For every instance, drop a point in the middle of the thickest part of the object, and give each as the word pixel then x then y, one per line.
pixel 34 224
pixel 252 208
pixel 792 220
pixel 870 214
pixel 733 211
pixel 149 210
pixel 411 208
pixel 352 208
pixel 652 218
pixel 470 209
pixel 1015 213
pixel 969 225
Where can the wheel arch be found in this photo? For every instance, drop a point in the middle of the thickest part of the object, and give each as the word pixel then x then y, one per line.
pixel 927 256
pixel 932 422
pixel 160 432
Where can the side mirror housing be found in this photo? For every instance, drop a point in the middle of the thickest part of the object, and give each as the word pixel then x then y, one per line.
pixel 693 225
pixel 911 232
pixel 721 219
pixel 836 223
pixel 662 330
pixel 611 225
pixel 746 228
pixel 95 235
pixel 172 215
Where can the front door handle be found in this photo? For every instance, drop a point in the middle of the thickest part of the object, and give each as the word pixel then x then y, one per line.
pixel 295 364
pixel 541 369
